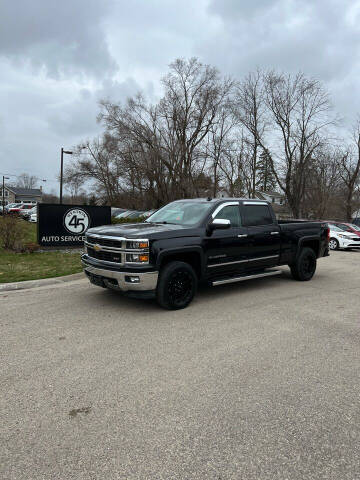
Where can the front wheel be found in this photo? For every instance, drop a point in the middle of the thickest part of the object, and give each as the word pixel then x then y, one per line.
pixel 333 244
pixel 177 285
pixel 305 265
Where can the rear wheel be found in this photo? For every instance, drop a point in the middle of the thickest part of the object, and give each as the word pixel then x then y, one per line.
pixel 333 244
pixel 177 285
pixel 305 265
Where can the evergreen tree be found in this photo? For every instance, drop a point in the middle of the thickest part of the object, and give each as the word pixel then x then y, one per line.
pixel 266 178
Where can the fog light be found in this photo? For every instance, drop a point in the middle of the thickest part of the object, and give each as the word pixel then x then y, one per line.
pixel 132 279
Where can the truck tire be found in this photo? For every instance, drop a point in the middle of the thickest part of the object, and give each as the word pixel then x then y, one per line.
pixel 305 265
pixel 177 285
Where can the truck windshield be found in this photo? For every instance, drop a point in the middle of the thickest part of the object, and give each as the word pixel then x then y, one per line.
pixel 181 213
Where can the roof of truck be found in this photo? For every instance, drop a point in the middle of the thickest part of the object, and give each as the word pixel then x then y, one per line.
pixel 221 200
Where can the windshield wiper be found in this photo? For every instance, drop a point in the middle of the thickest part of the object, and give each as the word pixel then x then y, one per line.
pixel 163 223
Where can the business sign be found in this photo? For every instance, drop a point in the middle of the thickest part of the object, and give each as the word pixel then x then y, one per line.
pixel 65 225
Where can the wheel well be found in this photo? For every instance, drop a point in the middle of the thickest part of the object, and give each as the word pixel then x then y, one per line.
pixel 192 258
pixel 314 244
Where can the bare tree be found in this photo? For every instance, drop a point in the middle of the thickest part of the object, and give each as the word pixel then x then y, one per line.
pixel 220 148
pixel 323 186
pixel 250 109
pixel 166 142
pixel 300 111
pixel 25 180
pixel 350 172
pixel 194 95
pixel 234 166
pixel 94 161
pixel 207 133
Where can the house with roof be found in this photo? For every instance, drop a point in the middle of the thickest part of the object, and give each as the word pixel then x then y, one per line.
pixel 271 196
pixel 21 195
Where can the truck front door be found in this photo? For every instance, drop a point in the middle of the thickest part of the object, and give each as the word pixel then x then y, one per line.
pixel 226 250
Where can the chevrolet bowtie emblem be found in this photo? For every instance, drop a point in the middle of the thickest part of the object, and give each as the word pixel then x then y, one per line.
pixel 97 247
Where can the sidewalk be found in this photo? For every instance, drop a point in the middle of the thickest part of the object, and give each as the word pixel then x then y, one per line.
pixel 5 287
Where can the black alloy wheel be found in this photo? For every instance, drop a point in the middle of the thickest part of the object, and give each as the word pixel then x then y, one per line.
pixel 177 285
pixel 179 288
pixel 308 265
pixel 304 267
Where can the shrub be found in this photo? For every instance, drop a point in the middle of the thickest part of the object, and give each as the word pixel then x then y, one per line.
pixel 31 247
pixel 12 233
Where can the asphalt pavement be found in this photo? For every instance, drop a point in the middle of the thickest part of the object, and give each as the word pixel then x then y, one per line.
pixel 257 380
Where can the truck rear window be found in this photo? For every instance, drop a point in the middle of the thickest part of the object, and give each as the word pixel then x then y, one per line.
pixel 255 215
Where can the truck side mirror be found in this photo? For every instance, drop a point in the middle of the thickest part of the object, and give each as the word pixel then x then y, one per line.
pixel 218 224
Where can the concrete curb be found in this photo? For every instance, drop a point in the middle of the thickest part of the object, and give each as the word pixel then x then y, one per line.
pixel 6 287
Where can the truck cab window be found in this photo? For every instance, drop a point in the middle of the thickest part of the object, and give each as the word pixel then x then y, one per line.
pixel 256 215
pixel 232 213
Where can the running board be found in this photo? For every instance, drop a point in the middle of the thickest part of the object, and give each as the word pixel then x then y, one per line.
pixel 270 273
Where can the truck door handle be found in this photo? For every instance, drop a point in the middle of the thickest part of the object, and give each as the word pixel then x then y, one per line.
pixel 242 236
pixel 274 233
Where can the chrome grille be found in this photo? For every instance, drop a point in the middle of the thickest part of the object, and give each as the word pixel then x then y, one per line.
pixel 112 249
pixel 105 242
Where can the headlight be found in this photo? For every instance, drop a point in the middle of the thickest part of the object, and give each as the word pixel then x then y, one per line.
pixel 137 258
pixel 137 245
pixel 344 236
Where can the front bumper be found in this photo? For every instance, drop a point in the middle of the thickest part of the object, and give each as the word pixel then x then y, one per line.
pixel 125 281
pixel 349 244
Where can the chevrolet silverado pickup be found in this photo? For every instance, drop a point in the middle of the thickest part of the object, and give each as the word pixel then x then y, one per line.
pixel 216 241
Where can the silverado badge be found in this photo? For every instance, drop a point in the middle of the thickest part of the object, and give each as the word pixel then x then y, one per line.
pixel 97 247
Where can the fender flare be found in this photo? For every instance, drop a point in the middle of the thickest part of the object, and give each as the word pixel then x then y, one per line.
pixel 305 239
pixel 173 251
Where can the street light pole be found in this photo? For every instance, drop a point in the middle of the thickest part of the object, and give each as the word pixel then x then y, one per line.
pixel 62 171
pixel 3 193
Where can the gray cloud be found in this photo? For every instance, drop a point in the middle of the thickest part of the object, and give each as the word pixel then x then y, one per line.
pixel 62 37
pixel 58 59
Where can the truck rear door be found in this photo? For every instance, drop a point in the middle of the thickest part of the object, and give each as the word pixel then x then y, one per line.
pixel 263 235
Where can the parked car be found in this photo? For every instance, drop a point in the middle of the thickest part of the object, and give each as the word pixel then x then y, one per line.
pixel 26 213
pixel 347 227
pixel 33 218
pixel 116 211
pixel 11 205
pixel 215 241
pixel 339 238
pixel 24 209
pixel 148 213
pixel 15 210
pixel 137 214
pixel 124 214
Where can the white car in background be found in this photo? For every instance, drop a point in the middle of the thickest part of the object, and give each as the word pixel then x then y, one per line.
pixel 340 238
pixel 33 218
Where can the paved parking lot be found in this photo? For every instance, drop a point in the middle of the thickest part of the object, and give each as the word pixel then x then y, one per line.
pixel 256 380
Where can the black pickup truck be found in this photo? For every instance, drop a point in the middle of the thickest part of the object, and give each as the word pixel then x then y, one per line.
pixel 216 241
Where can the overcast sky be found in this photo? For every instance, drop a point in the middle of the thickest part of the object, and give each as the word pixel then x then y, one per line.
pixel 57 59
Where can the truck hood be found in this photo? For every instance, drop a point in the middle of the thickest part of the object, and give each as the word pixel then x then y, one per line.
pixel 144 230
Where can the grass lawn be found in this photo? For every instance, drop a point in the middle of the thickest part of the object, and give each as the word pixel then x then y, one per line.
pixel 30 232
pixel 16 267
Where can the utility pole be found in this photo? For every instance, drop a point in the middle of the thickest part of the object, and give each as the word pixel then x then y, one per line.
pixel 3 193
pixel 62 171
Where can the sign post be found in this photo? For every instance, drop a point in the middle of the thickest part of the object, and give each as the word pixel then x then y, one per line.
pixel 66 225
